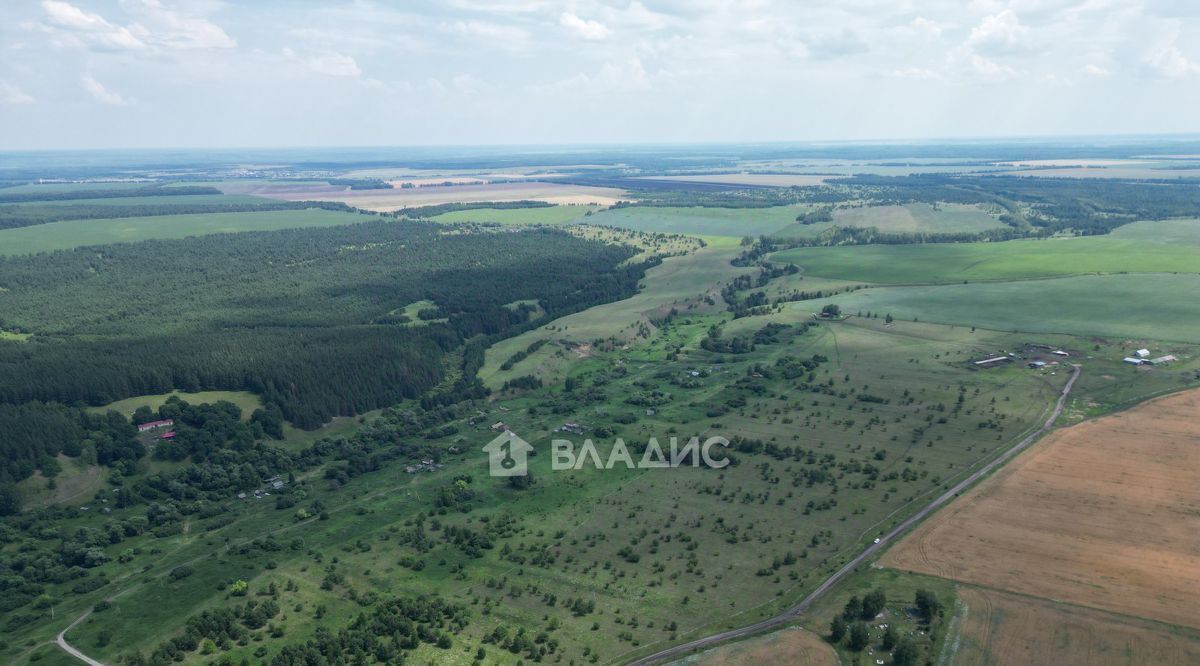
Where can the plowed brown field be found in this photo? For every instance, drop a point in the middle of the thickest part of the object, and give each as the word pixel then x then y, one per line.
pixel 998 629
pixel 1104 514
pixel 793 646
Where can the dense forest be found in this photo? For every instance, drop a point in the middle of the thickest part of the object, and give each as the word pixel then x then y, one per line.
pixel 304 318
pixel 112 193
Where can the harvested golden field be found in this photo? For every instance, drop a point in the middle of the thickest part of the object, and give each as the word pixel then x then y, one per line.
pixel 996 628
pixel 787 646
pixel 1103 514
pixel 388 200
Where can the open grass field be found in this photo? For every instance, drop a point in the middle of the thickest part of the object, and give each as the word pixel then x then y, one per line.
pixel 77 482
pixel 395 199
pixel 78 233
pixel 1143 247
pixel 1101 514
pixel 998 629
pixel 551 215
pixel 1132 306
pixel 699 221
pixel 244 399
pixel 788 646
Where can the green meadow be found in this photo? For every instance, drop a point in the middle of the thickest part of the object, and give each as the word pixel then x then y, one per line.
pixel 1144 247
pixel 1154 306
pixel 77 233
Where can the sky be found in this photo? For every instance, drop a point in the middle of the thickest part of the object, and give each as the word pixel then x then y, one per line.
pixel 206 73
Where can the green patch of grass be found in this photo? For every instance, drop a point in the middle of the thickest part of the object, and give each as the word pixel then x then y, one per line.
pixel 1144 247
pixel 244 399
pixel 13 336
pixel 1132 306
pixel 76 233
pixel 561 214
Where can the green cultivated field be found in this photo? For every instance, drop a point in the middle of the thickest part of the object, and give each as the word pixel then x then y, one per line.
pixel 1144 247
pixel 76 233
pixel 1162 307
pixel 736 222
pixel 539 215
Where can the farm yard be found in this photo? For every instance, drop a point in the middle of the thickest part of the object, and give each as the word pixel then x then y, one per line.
pixel 1094 515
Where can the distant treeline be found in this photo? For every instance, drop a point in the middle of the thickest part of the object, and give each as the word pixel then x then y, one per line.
pixel 114 193
pixel 420 212
pixel 24 215
pixel 361 183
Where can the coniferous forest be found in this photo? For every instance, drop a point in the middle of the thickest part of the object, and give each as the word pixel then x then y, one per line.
pixel 310 320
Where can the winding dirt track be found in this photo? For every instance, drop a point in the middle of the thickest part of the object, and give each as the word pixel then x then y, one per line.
pixel 795 611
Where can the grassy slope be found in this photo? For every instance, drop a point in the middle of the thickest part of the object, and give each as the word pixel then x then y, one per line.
pixel 680 282
pixel 76 233
pixel 1142 247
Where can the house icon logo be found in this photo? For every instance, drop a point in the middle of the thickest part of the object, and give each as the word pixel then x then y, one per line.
pixel 507 455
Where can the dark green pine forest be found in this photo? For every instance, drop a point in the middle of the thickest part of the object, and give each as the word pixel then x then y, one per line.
pixel 311 320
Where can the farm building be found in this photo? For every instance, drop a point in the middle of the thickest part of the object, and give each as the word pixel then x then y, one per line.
pixel 499 426
pixel 153 425
pixel 1161 360
pixel 1059 352
pixel 170 434
pixel 1133 361
pixel 1142 353
pixel 1036 365
pixel 993 361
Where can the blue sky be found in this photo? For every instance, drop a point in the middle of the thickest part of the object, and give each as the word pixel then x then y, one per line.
pixel 201 73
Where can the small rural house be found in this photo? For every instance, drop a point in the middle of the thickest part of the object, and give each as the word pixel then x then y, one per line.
pixel 154 425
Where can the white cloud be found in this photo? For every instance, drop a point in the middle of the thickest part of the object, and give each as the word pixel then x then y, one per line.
pixel 998 33
pixel 102 94
pixel 1166 60
pixel 1096 71
pixel 10 94
pixel 584 28
pixel 90 29
pixel 174 30
pixel 156 28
